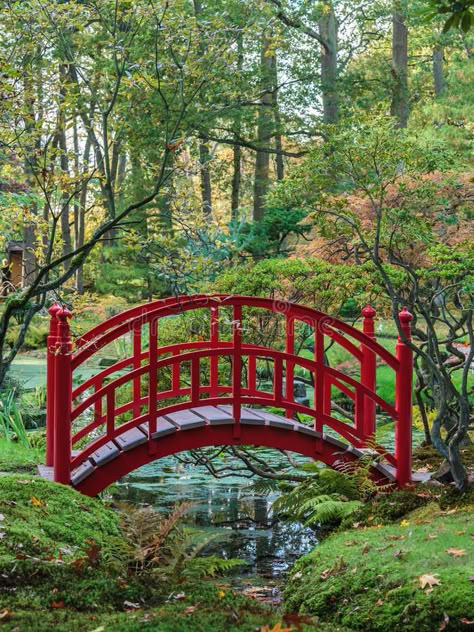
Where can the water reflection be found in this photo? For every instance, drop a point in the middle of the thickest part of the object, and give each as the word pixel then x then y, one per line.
pixel 230 506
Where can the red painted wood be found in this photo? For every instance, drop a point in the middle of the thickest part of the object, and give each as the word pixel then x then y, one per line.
pixel 145 363
pixel 236 367
pixel 50 366
pixel 290 367
pixel 403 401
pixel 62 399
pixel 368 373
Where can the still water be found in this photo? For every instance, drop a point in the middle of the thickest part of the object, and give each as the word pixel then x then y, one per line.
pixel 231 507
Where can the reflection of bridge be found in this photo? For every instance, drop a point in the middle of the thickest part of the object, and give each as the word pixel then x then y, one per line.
pixel 168 397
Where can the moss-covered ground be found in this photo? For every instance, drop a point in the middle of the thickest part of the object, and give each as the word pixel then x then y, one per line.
pixel 414 574
pixel 63 566
pixel 402 562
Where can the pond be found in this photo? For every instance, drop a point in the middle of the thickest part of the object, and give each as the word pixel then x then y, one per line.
pixel 230 507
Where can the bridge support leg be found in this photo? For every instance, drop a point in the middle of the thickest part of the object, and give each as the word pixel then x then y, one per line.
pixel 50 363
pixel 62 400
pixel 403 401
pixel 368 376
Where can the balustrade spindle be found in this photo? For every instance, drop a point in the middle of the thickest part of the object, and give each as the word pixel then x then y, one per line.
pixel 214 361
pixel 236 367
pixel 290 367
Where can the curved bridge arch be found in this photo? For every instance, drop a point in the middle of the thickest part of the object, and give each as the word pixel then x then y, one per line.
pixel 95 434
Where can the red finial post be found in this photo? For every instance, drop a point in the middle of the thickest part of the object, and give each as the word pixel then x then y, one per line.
pixel 50 351
pixel 403 400
pixel 62 398
pixel 366 417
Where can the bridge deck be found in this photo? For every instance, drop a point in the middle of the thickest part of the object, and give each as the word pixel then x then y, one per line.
pixel 207 416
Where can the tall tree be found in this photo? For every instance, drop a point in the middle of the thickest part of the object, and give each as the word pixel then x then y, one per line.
pixel 400 107
pixel 264 127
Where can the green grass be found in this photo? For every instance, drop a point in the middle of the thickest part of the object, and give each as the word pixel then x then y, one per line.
pixel 16 458
pixel 369 579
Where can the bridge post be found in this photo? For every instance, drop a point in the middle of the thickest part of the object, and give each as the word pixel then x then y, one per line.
pixel 368 373
pixel 62 399
pixel 237 368
pixel 403 401
pixel 50 349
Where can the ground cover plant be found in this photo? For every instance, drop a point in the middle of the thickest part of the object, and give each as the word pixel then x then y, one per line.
pixel 412 574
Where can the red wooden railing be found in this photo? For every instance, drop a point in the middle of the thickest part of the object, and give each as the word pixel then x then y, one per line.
pixel 66 404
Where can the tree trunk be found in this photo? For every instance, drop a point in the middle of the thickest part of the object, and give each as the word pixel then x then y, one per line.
pixel 64 162
pixel 80 201
pixel 33 95
pixel 438 71
pixel 327 26
pixel 400 108
pixel 264 131
pixel 280 170
pixel 205 176
pixel 237 150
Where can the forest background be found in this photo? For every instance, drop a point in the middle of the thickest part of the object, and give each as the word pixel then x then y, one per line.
pixel 314 151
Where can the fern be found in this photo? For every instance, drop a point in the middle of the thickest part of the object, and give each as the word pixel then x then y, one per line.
pixel 209 566
pixel 326 509
pixel 165 549
pixel 327 498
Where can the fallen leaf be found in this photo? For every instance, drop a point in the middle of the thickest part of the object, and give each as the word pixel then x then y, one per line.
pixel 404 523
pixel 57 604
pixel 466 621
pixel 190 609
pixel 325 574
pixel 2 517
pixel 379 602
pixel 276 628
pixel 2 535
pixel 431 536
pixel 23 482
pixel 181 595
pixel 459 532
pixel 36 502
pixel 400 553
pixel 129 605
pixel 297 575
pixel 444 622
pixel 365 548
pixel 456 552
pixel 221 594
pixel 5 613
pixel 429 580
pixel 298 620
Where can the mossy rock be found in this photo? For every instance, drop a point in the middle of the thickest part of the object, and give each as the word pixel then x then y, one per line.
pixel 370 579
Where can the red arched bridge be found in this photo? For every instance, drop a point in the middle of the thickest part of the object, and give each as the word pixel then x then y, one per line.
pixel 164 397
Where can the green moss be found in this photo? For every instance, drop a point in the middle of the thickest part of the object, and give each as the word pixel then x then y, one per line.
pixel 387 508
pixel 16 458
pixel 369 578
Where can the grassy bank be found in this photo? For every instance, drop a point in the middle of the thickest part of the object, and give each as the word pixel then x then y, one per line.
pixel 64 565
pixel 412 575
